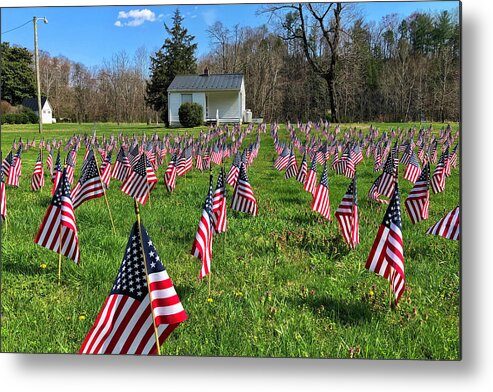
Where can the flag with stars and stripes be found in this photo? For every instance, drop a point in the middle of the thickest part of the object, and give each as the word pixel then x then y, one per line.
pixel 57 174
pixel 58 231
pixel 234 171
pixel 38 179
pixel 202 246
pixel 7 163
pixel 141 299
pixel 292 168
pixel 70 166
pixel 219 204
pixel 15 168
pixel 418 201
pixel 49 162
pixel 387 253
pixel 438 177
pixel 121 168
pixel 388 176
pixel 105 170
pixel 170 175
pixel 282 160
pixel 413 170
pixel 321 201
pixel 243 198
pixel 302 171
pixel 311 178
pixel 89 185
pixel 347 215
pixel 447 227
pixel 136 184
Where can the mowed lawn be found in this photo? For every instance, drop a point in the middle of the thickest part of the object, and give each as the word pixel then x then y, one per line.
pixel 284 283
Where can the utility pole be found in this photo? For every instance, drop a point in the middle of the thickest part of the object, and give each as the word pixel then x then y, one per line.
pixel 36 64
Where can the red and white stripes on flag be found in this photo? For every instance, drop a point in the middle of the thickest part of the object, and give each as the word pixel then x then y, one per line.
pixel 302 171
pixel 447 227
pixel 418 201
pixel 170 175
pixel 219 204
pixel 387 253
pixel 136 184
pixel 438 177
pixel 89 185
pixel 413 170
pixel 202 246
pixel 388 177
pixel 15 169
pixel 105 170
pixel 347 216
pixel 38 179
pixel 121 168
pixel 142 298
pixel 311 178
pixel 243 198
pixel 234 171
pixel 58 231
pixel 321 201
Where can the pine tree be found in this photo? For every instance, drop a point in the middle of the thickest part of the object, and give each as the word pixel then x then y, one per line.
pixel 176 57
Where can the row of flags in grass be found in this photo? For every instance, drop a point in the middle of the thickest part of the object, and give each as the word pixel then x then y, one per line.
pixel 387 255
pixel 142 306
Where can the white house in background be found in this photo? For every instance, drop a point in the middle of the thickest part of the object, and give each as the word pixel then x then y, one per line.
pixel 46 109
pixel 221 96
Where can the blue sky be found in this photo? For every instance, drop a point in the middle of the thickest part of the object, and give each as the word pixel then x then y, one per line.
pixel 91 34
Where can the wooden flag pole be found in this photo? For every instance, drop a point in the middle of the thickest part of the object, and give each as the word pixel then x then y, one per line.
pixel 104 191
pixel 156 334
pixel 210 271
pixel 60 253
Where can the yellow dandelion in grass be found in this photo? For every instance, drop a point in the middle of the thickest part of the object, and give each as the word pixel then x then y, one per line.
pixel 371 293
pixel 43 266
pixel 82 317
pixel 210 300
pixel 238 294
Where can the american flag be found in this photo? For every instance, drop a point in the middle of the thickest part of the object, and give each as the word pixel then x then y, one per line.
pixel 133 155
pixel 302 171
pixel 219 204
pixel 387 253
pixel 377 166
pixel 311 178
pixel 292 168
pixel 234 171
pixel 202 246
pixel 282 160
pixel 3 197
pixel 453 157
pixel 122 167
pixel 243 197
pixel 142 296
pixel 438 177
pixel 38 179
pixel 388 177
pixel 89 185
pixel 49 162
pixel 151 175
pixel 57 174
pixel 418 201
pixel 170 175
pixel 136 184
pixel 357 156
pixel 184 162
pixel 347 215
pixel 7 163
pixel 59 223
pixel 216 155
pixel 105 170
pixel 413 170
pixel 15 168
pixel 447 227
pixel 70 166
pixel 199 162
pixel 320 201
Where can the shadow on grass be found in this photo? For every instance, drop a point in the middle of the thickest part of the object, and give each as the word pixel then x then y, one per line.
pixel 341 311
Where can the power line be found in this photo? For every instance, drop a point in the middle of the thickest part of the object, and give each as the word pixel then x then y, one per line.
pixel 18 27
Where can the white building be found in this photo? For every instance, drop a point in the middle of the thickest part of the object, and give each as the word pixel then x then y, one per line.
pixel 46 109
pixel 221 96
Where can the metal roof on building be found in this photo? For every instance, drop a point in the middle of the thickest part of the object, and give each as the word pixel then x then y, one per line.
pixel 206 82
pixel 32 103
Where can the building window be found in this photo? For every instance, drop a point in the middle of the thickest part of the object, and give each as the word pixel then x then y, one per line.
pixel 186 98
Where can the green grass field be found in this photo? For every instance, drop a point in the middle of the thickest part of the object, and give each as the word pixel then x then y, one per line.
pixel 284 283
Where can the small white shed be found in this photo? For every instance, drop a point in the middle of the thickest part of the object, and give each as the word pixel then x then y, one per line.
pixel 46 109
pixel 222 96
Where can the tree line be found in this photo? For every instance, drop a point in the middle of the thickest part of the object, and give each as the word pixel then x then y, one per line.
pixel 311 61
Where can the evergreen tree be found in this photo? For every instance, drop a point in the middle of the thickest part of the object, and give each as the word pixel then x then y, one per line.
pixel 17 78
pixel 176 57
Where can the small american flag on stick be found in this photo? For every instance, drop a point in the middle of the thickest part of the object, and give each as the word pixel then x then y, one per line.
pixel 141 300
pixel 447 227
pixel 347 215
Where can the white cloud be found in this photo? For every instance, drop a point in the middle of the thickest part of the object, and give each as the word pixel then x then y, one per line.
pixel 209 17
pixel 135 17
